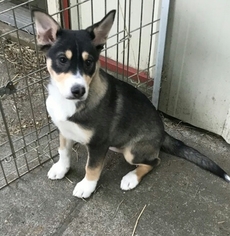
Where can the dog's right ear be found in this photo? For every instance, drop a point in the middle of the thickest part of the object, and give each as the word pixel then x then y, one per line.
pixel 46 28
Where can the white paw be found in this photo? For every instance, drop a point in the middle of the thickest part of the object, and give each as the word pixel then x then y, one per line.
pixel 129 181
pixel 84 188
pixel 57 171
pixel 227 178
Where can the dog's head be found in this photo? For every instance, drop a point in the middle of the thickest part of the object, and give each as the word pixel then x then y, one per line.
pixel 72 55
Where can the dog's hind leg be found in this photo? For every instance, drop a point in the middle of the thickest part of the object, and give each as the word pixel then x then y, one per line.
pixel 93 168
pixel 144 158
pixel 59 169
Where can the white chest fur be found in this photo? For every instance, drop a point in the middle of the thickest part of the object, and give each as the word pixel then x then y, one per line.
pixel 60 109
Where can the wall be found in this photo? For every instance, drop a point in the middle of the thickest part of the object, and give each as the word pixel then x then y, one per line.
pixel 196 75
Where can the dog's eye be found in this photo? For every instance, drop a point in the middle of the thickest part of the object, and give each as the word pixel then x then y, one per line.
pixel 63 59
pixel 88 62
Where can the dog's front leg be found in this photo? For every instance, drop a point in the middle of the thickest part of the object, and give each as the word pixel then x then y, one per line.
pixel 94 166
pixel 59 169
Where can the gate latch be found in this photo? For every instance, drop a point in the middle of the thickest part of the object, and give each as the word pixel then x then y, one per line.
pixel 8 89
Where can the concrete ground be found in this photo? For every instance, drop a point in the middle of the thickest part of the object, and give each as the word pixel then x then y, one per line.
pixel 178 198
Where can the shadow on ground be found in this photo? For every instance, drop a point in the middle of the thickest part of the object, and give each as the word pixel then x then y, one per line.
pixel 180 198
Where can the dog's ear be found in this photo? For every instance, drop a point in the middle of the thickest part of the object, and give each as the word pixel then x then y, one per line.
pixel 100 31
pixel 46 28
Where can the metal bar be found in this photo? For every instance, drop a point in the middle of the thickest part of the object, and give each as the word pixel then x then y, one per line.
pixel 120 32
pixel 44 126
pixel 21 28
pixel 15 103
pixel 29 144
pixel 106 48
pixel 156 32
pixel 78 15
pixel 9 137
pixel 1 187
pixel 74 23
pixel 151 34
pixel 144 83
pixel 23 64
pixel 106 42
pixel 3 172
pixel 92 12
pixel 140 34
pixel 5 60
pixel 42 87
pixel 31 73
pixel 20 125
pixel 67 8
pixel 124 35
pixel 117 46
pixel 138 72
pixel 31 85
pixel 16 6
pixel 4 118
pixel 145 25
pixel 129 38
pixel 160 51
pixel 54 9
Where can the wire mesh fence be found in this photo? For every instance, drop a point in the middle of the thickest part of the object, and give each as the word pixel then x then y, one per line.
pixel 27 137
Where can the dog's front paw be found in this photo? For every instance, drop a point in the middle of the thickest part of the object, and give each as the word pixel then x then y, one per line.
pixel 129 181
pixel 57 171
pixel 84 188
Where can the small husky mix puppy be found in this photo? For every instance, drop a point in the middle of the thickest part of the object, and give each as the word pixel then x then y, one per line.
pixel 93 108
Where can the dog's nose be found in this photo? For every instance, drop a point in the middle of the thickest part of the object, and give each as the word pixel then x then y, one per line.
pixel 78 91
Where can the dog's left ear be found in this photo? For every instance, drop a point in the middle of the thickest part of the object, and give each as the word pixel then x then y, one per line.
pixel 100 31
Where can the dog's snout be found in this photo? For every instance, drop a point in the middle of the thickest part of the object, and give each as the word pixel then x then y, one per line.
pixel 78 91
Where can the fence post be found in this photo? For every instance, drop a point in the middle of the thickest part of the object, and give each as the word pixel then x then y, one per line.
pixel 160 51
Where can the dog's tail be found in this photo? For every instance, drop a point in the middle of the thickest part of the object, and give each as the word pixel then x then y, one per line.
pixel 178 148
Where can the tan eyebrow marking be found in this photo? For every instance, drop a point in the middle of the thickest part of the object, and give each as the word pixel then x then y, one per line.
pixel 85 55
pixel 60 78
pixel 68 54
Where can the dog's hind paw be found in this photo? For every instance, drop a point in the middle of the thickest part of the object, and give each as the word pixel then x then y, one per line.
pixel 57 171
pixel 129 181
pixel 84 188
